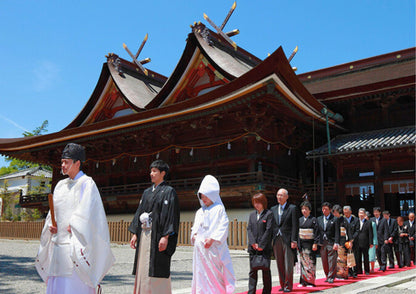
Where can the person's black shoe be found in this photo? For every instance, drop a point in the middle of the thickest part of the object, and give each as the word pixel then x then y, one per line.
pixel 392 266
pixel 287 290
pixel 331 281
pixel 281 289
pixel 367 273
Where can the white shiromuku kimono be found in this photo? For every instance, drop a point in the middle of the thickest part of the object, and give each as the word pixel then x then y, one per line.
pixel 212 268
pixel 75 262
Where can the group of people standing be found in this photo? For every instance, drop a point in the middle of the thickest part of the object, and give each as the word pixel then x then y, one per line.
pixel 345 242
pixel 75 254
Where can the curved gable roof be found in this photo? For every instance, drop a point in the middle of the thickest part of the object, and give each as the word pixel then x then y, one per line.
pixel 134 88
pixel 203 43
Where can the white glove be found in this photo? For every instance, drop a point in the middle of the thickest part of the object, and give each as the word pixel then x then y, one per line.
pixel 144 217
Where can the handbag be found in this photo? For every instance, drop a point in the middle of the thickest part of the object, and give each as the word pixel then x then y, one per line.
pixel 350 259
pixel 259 262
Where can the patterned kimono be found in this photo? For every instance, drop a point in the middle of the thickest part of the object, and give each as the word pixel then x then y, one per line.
pixel 344 236
pixel 308 235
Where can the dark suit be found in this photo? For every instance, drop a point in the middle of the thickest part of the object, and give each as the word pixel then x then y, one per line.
pixel 352 222
pixel 411 242
pixel 328 236
pixel 387 250
pixel 364 238
pixel 285 232
pixel 382 234
pixel 260 232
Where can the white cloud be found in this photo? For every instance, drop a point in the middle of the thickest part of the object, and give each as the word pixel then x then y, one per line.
pixel 45 74
pixel 13 123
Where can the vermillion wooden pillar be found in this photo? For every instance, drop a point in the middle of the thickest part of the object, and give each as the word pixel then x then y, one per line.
pixel 378 184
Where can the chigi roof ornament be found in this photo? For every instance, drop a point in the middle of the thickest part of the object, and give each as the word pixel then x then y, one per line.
pixel 219 30
pixel 139 63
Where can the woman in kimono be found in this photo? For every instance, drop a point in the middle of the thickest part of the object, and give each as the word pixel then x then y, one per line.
pixel 212 268
pixel 372 250
pixel 259 231
pixel 307 245
pixel 403 243
pixel 344 243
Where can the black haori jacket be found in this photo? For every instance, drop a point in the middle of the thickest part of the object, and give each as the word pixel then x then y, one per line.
pixel 164 205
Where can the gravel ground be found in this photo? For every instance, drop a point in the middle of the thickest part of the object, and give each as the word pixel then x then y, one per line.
pixel 18 273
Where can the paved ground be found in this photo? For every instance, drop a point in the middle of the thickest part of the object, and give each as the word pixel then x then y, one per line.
pixel 18 274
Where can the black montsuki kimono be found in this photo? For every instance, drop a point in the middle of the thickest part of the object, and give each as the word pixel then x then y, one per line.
pixel 164 205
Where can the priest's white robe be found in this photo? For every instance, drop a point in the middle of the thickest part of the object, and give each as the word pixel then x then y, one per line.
pixel 212 267
pixel 84 255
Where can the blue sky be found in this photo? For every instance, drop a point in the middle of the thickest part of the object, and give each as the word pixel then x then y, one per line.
pixel 52 51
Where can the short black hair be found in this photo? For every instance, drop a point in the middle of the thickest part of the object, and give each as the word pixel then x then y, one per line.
pixel 338 208
pixel 306 204
pixel 386 212
pixel 377 208
pixel 160 165
pixel 326 204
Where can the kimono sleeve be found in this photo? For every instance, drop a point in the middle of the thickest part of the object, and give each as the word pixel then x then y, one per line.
pixel 135 222
pixel 170 214
pixel 220 223
pixel 197 223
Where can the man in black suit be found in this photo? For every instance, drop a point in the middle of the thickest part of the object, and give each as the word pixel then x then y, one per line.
pixel 352 220
pixel 285 239
pixel 363 237
pixel 387 249
pixel 382 234
pixel 411 225
pixel 329 241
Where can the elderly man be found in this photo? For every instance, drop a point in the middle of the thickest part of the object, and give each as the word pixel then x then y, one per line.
pixel 75 255
pixel 285 237
pixel 352 220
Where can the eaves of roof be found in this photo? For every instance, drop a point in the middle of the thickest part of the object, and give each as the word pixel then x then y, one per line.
pixel 368 141
pixel 275 69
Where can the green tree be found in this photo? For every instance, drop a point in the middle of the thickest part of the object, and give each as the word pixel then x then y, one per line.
pixel 9 201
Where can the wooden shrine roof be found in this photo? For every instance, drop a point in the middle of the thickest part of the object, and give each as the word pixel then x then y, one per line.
pixel 241 79
pixel 369 141
pixel 392 71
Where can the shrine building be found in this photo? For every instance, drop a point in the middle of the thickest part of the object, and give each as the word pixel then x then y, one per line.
pixel 344 134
